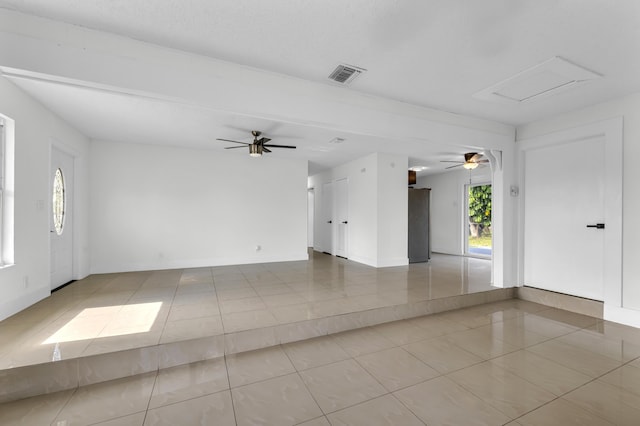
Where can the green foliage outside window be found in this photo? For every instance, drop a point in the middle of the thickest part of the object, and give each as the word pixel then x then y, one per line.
pixel 480 205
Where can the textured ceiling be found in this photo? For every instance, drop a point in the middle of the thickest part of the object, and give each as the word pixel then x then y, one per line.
pixel 425 52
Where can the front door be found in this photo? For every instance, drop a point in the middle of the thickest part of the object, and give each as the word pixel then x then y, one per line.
pixel 61 218
pixel 564 203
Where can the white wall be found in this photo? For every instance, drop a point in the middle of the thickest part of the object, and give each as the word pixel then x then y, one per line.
pixel 393 210
pixel 629 109
pixel 377 208
pixel 160 207
pixel 447 206
pixel 36 129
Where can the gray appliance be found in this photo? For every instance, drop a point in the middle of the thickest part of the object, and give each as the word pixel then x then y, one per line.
pixel 419 233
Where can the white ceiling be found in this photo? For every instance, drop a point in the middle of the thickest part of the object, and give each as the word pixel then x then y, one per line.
pixel 433 53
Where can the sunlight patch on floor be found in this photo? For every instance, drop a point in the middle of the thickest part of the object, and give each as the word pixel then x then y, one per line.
pixel 107 321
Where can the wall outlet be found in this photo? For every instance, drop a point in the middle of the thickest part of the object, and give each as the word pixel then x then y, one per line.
pixel 258 247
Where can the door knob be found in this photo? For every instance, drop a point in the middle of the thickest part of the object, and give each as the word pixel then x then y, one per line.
pixel 597 226
pixel 329 221
pixel 345 222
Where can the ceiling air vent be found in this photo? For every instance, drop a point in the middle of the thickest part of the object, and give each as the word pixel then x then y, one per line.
pixel 345 74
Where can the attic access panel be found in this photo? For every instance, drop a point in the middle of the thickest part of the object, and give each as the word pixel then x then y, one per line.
pixel 545 79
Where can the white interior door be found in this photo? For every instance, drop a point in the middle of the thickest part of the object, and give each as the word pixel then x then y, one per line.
pixel 61 218
pixel 565 193
pixel 342 217
pixel 327 218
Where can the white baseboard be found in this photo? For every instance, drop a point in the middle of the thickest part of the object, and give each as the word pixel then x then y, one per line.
pixel 622 315
pixel 196 263
pixel 397 261
pixel 361 259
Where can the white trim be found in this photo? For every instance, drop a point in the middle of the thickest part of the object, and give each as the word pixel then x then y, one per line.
pixel 111 267
pixel 7 191
pixel 2 168
pixel 622 315
pixel 612 132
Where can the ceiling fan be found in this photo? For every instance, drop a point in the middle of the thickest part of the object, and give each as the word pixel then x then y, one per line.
pixel 258 146
pixel 471 161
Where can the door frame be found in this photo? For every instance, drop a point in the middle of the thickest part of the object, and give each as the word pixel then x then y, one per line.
pixel 612 132
pixel 338 220
pixel 328 208
pixel 311 202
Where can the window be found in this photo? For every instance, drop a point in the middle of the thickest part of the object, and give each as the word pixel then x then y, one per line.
pixel 6 190
pixel 58 201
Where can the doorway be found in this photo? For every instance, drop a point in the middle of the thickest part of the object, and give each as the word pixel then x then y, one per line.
pixel 478 232
pixel 61 218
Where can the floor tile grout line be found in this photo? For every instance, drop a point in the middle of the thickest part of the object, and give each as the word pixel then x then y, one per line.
pixel 549 339
pixel 353 357
pixel 387 392
pixel 305 384
pixel 574 347
pixel 215 291
pixel 166 320
pixel 561 396
pixel 153 388
pixel 233 406
pixel 63 406
pixel 405 405
pixel 491 405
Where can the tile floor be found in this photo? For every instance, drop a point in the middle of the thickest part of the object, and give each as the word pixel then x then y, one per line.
pixel 115 312
pixel 511 362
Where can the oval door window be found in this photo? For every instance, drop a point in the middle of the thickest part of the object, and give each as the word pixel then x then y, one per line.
pixel 58 201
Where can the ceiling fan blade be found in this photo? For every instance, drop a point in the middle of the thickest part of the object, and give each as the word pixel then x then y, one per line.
pixel 263 140
pixel 265 149
pixel 451 167
pixel 482 161
pixel 281 146
pixel 234 147
pixel 229 140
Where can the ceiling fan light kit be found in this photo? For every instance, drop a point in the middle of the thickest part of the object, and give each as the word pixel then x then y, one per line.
pixel 470 166
pixel 255 150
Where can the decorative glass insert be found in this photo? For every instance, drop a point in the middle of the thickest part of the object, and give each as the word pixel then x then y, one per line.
pixel 58 201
